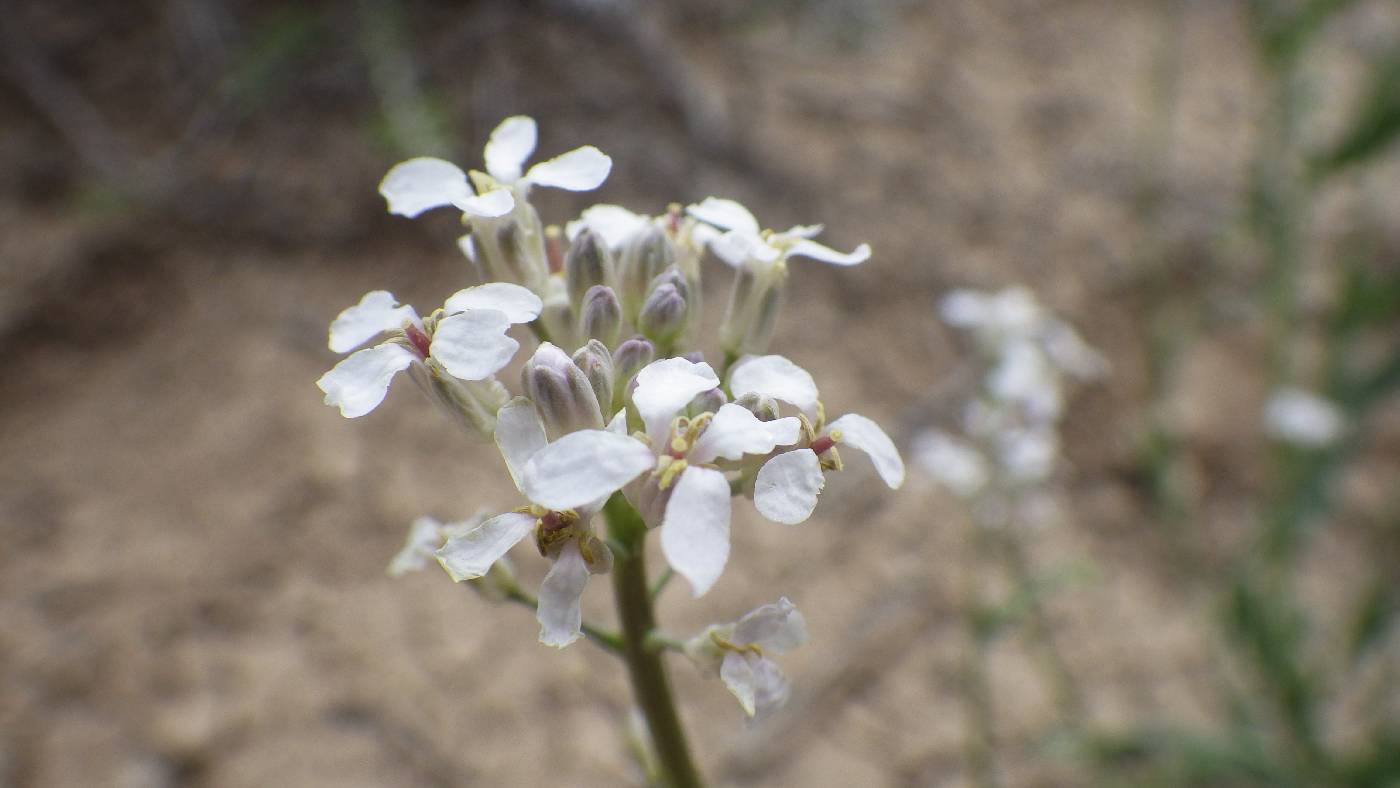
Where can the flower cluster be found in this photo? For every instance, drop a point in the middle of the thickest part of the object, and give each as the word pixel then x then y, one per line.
pixel 616 397
pixel 1010 441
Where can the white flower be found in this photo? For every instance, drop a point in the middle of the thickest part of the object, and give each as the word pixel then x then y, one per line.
pixel 738 654
pixel 956 464
pixel 689 493
pixel 787 485
pixel 1028 456
pixel 1303 418
pixel 1023 377
pixel 566 483
pixel 1011 318
pixel 468 340
pixel 421 184
pixel 613 223
pixel 743 243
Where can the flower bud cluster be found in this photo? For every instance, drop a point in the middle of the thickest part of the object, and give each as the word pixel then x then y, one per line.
pixel 616 397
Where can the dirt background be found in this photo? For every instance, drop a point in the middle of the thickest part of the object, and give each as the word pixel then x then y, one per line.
pixel 192 546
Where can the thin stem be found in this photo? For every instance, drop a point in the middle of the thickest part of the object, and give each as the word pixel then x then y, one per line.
pixel 661 581
pixel 650 684
pixel 607 640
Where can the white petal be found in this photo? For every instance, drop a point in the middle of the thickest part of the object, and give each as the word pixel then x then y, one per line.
pixel 582 467
pixel 518 303
pixel 787 486
pixel 470 555
pixel 964 308
pixel 519 435
pixel 736 671
pixel 473 345
pixel 579 170
pixel 733 432
pixel 423 538
pixel 376 313
pixel 695 528
pixel 770 687
pixel 497 202
pixel 1301 417
pixel 864 434
pixel 665 386
pixel 618 425
pixel 559 613
pixel 510 145
pixel 468 246
pixel 953 462
pixel 784 431
pixel 726 214
pixel 359 382
pixel 422 184
pixel 776 377
pixel 735 247
pixel 805 230
pixel 613 222
pixel 776 627
pixel 816 251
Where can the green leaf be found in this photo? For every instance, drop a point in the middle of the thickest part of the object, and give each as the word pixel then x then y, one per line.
pixel 1376 125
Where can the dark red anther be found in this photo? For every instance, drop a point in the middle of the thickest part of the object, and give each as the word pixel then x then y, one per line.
pixel 552 521
pixel 673 221
pixel 420 341
pixel 820 445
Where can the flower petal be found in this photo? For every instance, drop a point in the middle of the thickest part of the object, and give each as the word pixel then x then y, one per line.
pixel 467 244
pixel 964 308
pixel 776 627
pixel 726 214
pixel 613 222
pixel 1299 416
pixel 736 671
pixel 584 466
pixel 771 688
pixel 864 434
pixel 666 386
pixel 421 184
pixel 424 536
pixel 787 486
pixel 518 303
pixel 559 612
pixel 511 143
pixel 579 170
pixel 733 432
pixel 805 230
pixel 376 313
pixel 497 202
pixel 473 345
pixel 470 555
pixel 816 251
pixel 785 431
pixel 359 382
pixel 776 377
pixel 695 528
pixel 953 462
pixel 736 247
pixel 519 435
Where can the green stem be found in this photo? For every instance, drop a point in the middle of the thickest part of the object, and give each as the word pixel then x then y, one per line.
pixel 660 584
pixel 648 673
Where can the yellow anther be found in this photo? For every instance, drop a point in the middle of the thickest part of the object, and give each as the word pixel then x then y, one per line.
pixel 726 645
pixel 809 433
pixel 821 416
pixel 673 469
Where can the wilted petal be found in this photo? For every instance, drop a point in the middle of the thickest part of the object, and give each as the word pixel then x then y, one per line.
pixel 816 251
pixel 776 377
pixel 733 432
pixel 470 555
pixel 359 382
pixel 421 184
pixel 497 202
pixel 423 539
pixel 584 466
pixel 726 214
pixel 376 313
pixel 695 528
pixel 736 671
pixel 519 435
pixel 473 345
pixel 559 612
pixel 776 627
pixel 770 687
pixel 579 170
pixel 864 434
pixel 517 303
pixel 613 222
pixel 511 143
pixel 787 486
pixel 665 386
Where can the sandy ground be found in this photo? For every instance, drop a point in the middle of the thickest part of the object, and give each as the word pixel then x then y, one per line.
pixel 192 582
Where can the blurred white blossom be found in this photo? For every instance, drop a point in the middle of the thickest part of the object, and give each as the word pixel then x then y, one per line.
pixel 1298 416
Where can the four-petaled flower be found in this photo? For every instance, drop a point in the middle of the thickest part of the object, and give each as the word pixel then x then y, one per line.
pixel 738 653
pixel 742 242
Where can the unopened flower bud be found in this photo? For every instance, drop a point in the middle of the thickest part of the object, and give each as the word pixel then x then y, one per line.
pixel 629 359
pixel 765 408
pixel 596 363
pixel 645 255
pixel 706 402
pixel 562 394
pixel 663 315
pixel 587 263
pixel 600 316
pixel 471 403
pixel 511 248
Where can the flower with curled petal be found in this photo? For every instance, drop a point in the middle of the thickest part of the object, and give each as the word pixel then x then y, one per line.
pixel 787 485
pixel 738 654
pixel 465 340
pixel 566 483
pixel 741 241
pixel 424 183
